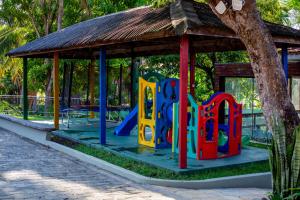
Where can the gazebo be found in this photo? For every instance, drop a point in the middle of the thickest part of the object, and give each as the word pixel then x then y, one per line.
pixel 185 27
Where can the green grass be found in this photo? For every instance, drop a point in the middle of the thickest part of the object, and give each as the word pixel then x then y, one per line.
pixel 155 172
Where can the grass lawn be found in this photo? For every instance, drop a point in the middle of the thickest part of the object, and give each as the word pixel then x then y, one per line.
pixel 156 172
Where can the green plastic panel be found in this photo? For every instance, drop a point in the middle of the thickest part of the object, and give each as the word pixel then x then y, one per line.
pixel 192 136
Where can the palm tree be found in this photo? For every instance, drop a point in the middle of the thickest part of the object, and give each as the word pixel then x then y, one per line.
pixel 11 38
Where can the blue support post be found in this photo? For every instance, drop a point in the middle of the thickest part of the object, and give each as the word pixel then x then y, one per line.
pixel 102 97
pixel 285 62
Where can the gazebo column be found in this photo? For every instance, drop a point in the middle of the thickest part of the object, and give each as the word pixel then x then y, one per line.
pixel 285 62
pixel 120 85
pixel 102 97
pixel 70 84
pixel 222 88
pixel 56 89
pixel 25 88
pixel 192 73
pixel 183 100
pixel 92 86
pixel 88 74
pixel 134 81
pixel 63 93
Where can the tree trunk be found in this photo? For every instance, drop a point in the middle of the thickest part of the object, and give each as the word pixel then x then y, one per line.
pixel 279 112
pixel 60 14
pixel 266 65
pixel 48 22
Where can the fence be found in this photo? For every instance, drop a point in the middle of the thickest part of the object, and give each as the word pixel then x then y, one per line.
pixel 12 105
pixel 253 123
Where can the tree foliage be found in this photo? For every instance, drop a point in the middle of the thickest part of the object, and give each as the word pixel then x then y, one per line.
pixel 30 19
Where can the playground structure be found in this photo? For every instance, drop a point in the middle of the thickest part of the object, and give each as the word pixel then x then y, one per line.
pixel 142 32
pixel 157 116
pixel 206 137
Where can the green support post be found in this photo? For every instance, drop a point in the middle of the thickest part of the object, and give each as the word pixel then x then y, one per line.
pixel 134 73
pixel 25 89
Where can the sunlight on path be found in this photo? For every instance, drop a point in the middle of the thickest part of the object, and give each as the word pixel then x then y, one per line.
pixel 32 171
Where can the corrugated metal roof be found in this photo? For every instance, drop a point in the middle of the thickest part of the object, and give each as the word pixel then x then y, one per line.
pixel 121 26
pixel 137 24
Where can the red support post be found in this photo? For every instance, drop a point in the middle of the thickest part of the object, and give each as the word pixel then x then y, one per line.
pixel 192 73
pixel 183 100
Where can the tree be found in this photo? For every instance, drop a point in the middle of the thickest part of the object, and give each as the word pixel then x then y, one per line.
pixel 11 38
pixel 273 11
pixel 294 12
pixel 280 114
pixel 40 15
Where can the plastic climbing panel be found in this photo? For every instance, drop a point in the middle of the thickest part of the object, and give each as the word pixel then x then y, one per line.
pixel 192 132
pixel 167 93
pixel 206 138
pixel 146 113
pixel 209 128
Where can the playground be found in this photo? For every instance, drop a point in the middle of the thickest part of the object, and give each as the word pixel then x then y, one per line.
pixel 162 158
pixel 164 125
pixel 149 133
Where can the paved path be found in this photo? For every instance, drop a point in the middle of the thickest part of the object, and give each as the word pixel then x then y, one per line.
pixel 31 171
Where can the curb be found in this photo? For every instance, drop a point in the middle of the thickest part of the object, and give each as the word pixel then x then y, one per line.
pixel 258 180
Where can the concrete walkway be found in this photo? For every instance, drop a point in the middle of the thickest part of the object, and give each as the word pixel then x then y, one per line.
pixel 31 171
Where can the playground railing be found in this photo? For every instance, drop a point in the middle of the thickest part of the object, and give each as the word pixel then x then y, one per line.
pixel 253 123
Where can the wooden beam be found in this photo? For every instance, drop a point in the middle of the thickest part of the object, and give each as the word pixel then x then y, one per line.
pixel 183 101
pixel 56 89
pixel 245 70
pixel 25 88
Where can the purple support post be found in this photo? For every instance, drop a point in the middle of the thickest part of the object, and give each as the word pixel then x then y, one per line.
pixel 285 62
pixel 102 96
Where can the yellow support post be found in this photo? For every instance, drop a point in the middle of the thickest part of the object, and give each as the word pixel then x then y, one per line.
pixel 92 86
pixel 56 89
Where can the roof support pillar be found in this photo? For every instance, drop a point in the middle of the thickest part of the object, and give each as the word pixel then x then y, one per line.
pixel 56 89
pixel 63 93
pixel 285 62
pixel 222 84
pixel 120 84
pixel 70 84
pixel 25 88
pixel 92 85
pixel 87 102
pixel 134 73
pixel 192 73
pixel 183 100
pixel 102 97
